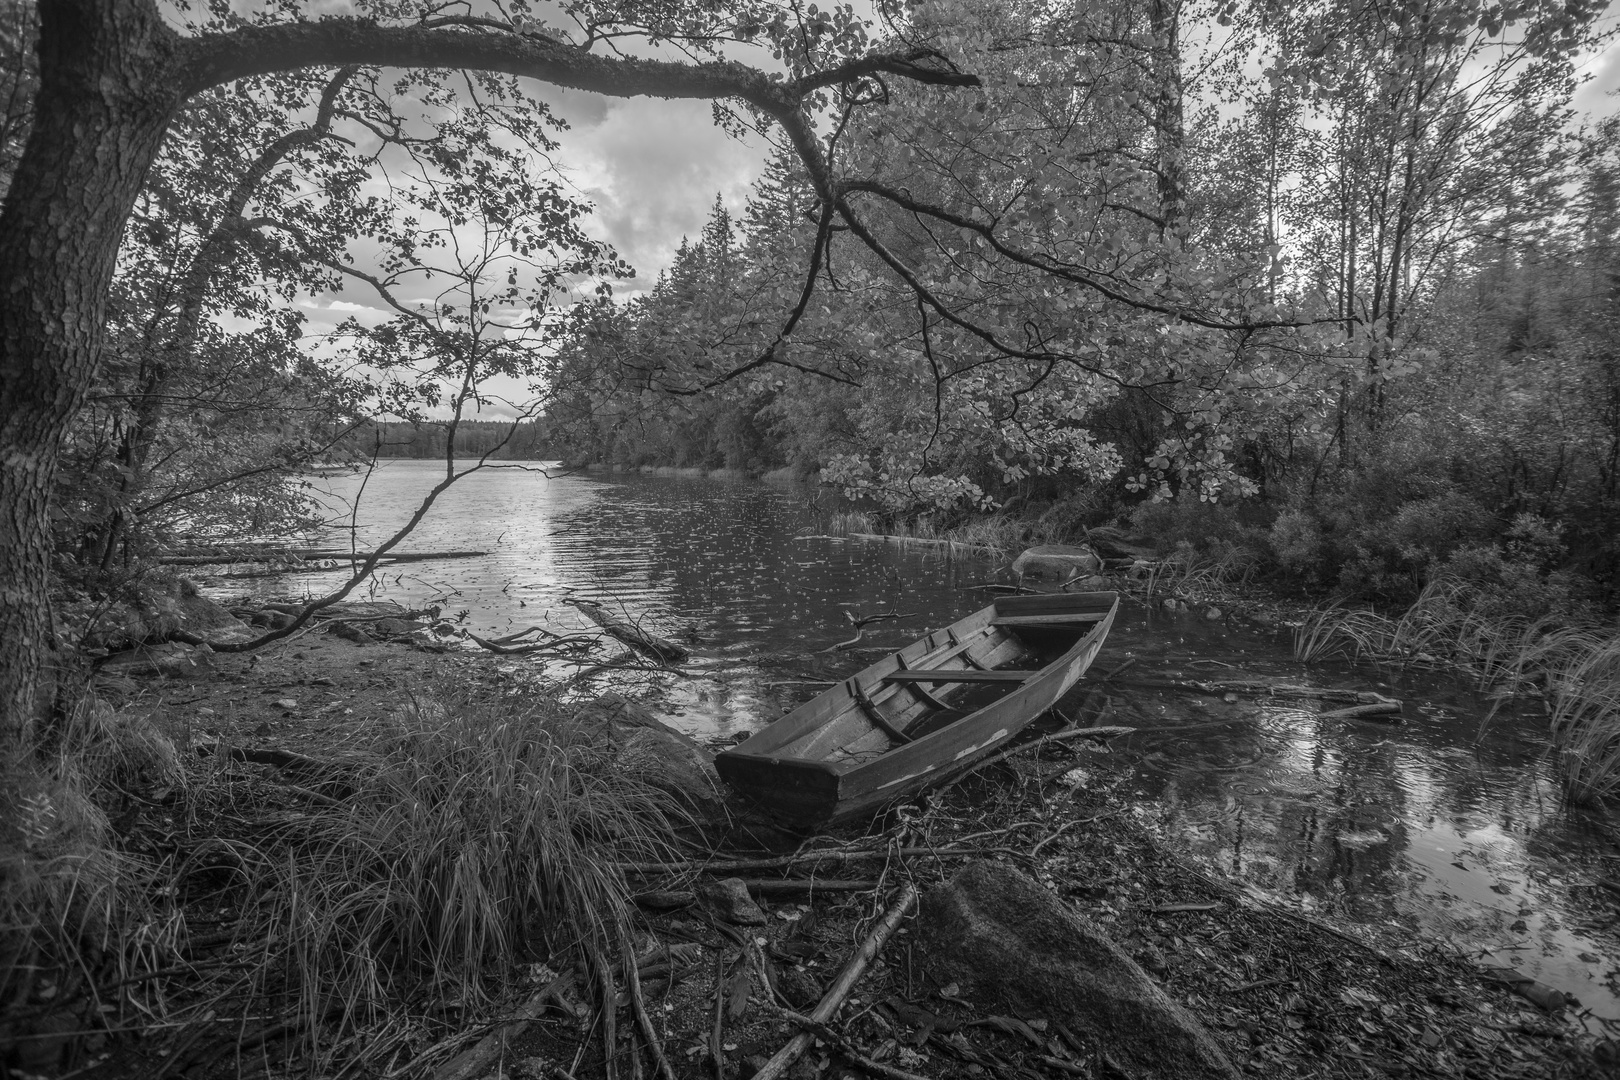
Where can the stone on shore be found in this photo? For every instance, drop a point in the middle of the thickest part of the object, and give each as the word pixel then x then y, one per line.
pixel 151 612
pixel 1056 562
pixel 657 753
pixel 729 900
pixel 1009 944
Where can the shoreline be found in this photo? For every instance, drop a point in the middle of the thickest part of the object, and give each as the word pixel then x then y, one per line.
pixel 1229 959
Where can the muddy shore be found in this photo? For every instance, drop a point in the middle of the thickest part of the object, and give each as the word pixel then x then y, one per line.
pixel 1278 992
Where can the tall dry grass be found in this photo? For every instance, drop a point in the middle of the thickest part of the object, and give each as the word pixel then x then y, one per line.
pixel 400 891
pixel 78 912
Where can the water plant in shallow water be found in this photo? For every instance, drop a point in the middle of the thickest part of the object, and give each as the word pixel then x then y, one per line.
pixel 1581 670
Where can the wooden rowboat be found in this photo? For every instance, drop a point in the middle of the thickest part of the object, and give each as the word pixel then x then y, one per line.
pixel 923 714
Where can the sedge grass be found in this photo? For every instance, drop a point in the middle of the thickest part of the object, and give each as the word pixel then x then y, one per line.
pixel 405 892
pixel 76 911
pixel 473 840
pixel 1577 668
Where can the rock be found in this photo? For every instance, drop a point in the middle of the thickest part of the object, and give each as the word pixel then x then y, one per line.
pixel 172 659
pixel 1011 945
pixel 1213 613
pixel 657 753
pixel 1172 604
pixel 1057 562
pixel 350 632
pixel 1152 960
pixel 153 610
pixel 287 703
pixel 729 900
pixel 392 627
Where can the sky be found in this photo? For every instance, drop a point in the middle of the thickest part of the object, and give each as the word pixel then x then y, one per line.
pixel 652 169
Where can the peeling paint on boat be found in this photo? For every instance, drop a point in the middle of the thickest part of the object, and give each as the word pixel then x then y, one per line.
pixel 905 778
pixel 974 749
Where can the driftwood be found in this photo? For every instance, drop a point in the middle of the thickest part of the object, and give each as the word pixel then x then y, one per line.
pixel 1392 709
pixel 806 885
pixel 661 649
pixel 844 1046
pixel 477 1059
pixel 1252 688
pixel 784 862
pixel 304 555
pixel 861 622
pixel 920 541
pixel 505 646
pixel 784 1058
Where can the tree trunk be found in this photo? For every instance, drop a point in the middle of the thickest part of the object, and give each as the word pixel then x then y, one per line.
pixel 102 109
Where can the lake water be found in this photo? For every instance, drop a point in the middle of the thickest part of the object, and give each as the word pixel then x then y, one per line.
pixel 1428 825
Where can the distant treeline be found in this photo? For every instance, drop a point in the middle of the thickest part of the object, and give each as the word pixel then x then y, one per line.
pixel 502 440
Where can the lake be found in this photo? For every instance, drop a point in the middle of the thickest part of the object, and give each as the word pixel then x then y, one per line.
pixel 1433 825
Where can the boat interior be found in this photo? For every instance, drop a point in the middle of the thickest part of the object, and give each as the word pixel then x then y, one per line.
pixel 936 680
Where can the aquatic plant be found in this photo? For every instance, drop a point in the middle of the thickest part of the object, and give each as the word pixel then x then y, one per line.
pixel 1577 667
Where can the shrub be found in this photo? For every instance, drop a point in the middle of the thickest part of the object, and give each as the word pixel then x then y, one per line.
pixel 1298 546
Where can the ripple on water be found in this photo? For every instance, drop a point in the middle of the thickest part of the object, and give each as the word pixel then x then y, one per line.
pixel 1419 823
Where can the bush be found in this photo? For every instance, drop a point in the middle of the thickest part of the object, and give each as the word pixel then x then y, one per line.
pixel 1299 547
pixel 1202 526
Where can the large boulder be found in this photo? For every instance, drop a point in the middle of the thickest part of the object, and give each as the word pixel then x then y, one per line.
pixel 153 610
pixel 1011 945
pixel 1057 562
pixel 657 753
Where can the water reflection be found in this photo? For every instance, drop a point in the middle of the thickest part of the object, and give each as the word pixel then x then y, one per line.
pixel 1417 824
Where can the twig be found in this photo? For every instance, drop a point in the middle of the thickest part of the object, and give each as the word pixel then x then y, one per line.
pixel 860 623
pixel 1116 670
pixel 1059 831
pixel 650 1033
pixel 784 1058
pixel 717 1031
pixel 844 1046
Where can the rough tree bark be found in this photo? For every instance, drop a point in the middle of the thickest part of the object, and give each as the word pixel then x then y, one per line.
pixel 112 76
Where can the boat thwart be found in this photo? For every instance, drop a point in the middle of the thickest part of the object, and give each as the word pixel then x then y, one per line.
pixel 924 713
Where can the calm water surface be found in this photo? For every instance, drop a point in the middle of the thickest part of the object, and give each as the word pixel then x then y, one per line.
pixel 1426 825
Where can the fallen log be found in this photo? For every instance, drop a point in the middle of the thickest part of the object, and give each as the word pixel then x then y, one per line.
pixel 1391 709
pixel 768 886
pixel 304 556
pixel 1253 688
pixel 784 862
pixel 661 649
pixel 830 1003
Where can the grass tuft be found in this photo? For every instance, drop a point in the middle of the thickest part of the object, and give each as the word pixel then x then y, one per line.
pixel 351 913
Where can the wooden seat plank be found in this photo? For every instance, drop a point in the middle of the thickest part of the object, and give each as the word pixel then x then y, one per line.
pixel 964 676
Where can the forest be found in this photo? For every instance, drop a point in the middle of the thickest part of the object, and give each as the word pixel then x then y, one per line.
pixel 1317 302
pixel 1418 233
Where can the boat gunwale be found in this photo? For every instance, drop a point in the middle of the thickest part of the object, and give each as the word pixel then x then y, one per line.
pixel 976 622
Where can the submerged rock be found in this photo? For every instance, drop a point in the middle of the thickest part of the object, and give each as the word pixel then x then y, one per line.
pixel 1010 944
pixel 1058 562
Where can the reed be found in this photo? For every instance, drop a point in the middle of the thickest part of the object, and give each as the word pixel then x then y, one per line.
pixel 1577 667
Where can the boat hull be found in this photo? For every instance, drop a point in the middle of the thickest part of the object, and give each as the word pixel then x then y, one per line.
pixel 832 758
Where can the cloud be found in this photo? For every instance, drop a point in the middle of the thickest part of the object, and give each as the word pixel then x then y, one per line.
pixel 1598 95
pixel 652 168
